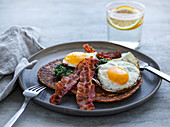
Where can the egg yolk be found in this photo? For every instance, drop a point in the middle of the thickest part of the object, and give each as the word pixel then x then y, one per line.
pixel 118 75
pixel 75 57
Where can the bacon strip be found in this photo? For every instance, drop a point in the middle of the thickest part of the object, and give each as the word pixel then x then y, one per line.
pixel 109 55
pixel 62 87
pixel 85 89
pixel 66 83
pixel 88 48
pixel 102 54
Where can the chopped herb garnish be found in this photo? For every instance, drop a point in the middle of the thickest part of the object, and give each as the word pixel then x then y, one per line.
pixel 102 61
pixel 62 70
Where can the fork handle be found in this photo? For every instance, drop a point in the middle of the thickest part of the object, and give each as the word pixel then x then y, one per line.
pixel 159 73
pixel 17 114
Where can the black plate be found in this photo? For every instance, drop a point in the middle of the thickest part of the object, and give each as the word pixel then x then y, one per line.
pixel 68 104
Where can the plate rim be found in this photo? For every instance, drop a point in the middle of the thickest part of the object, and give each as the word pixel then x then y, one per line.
pixel 92 112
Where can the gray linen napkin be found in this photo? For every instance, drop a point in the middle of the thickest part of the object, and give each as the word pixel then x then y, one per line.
pixel 16 45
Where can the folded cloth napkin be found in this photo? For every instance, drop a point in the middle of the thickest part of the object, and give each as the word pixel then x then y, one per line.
pixel 16 45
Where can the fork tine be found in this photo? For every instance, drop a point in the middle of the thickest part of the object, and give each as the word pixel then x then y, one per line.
pixel 36 88
pixel 40 89
pixel 33 87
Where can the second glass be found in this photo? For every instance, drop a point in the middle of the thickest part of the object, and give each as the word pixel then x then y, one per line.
pixel 124 22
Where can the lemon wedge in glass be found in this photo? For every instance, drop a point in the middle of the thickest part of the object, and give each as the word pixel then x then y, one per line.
pixel 124 18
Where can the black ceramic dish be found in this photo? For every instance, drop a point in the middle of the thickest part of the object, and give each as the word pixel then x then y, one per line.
pixel 68 104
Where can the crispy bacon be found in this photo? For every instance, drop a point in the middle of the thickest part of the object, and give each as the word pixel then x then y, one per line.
pixel 66 83
pixel 85 89
pixel 88 48
pixel 62 87
pixel 89 61
pixel 102 54
pixel 109 55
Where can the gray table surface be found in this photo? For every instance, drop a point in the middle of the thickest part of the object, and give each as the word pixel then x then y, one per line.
pixel 76 20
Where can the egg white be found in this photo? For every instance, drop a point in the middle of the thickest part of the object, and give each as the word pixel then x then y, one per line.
pixel 127 62
pixel 88 55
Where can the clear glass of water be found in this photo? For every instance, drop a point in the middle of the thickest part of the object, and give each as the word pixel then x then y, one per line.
pixel 124 22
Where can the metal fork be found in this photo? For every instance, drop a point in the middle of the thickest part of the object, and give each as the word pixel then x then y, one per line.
pixel 28 93
pixel 145 66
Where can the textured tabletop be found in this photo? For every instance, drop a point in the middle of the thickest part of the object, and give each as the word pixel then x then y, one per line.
pixel 76 20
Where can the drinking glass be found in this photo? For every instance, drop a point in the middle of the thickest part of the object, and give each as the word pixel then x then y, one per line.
pixel 124 23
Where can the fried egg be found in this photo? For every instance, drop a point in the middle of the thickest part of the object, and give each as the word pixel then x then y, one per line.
pixel 119 74
pixel 73 58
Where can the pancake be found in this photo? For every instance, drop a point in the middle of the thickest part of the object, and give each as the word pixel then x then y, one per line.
pixel 45 76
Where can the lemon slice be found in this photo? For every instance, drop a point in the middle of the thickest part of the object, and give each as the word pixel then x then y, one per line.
pixel 124 18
